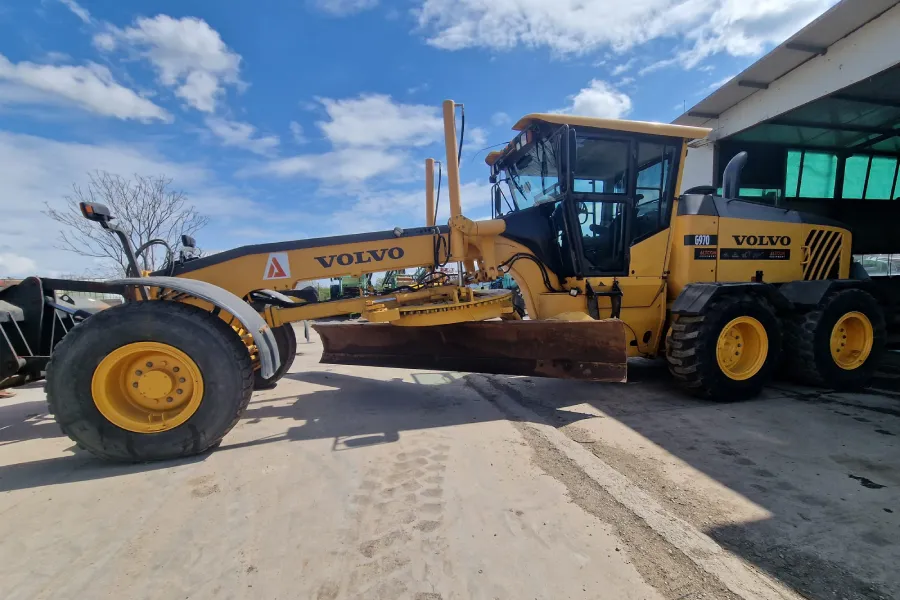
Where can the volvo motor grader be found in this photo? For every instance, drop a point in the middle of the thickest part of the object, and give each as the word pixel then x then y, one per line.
pixel 611 260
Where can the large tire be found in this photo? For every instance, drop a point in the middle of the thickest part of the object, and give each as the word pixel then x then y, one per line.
pixel 217 351
pixel 808 341
pixel 693 348
pixel 286 339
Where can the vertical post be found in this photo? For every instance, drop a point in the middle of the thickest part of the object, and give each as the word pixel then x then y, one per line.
pixel 456 237
pixel 429 192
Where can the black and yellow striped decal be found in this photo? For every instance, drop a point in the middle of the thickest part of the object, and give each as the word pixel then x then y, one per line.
pixel 824 254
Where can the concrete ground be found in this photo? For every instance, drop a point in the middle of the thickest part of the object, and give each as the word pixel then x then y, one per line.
pixel 350 482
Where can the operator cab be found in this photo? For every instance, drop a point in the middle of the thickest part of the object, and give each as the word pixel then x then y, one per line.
pixel 579 191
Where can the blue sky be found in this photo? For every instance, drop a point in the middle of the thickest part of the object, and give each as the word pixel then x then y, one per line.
pixel 286 120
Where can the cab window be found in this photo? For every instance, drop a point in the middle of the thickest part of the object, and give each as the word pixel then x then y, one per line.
pixel 653 192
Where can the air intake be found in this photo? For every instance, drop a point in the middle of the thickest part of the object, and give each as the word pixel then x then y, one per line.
pixel 824 258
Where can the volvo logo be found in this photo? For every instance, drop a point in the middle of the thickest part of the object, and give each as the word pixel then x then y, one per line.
pixel 361 257
pixel 762 240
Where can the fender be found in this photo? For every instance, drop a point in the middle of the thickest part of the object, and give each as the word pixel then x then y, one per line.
pixel 695 296
pixel 263 337
pixel 808 294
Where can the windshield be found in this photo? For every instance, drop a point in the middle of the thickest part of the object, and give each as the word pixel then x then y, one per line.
pixel 533 177
pixel 601 166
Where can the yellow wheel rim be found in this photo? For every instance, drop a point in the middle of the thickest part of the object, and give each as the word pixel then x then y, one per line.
pixel 147 387
pixel 742 348
pixel 851 340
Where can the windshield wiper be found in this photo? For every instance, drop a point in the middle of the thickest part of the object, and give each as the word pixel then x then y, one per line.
pixel 512 178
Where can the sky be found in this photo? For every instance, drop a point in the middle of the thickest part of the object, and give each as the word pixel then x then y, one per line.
pixel 285 120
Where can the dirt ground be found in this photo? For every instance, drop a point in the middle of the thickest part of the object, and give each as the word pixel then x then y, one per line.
pixel 350 482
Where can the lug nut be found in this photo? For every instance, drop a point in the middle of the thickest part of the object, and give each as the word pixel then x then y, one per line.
pixel 138 372
pixel 179 391
pixel 149 364
pixel 134 385
pixel 169 399
pixel 175 369
pixel 181 380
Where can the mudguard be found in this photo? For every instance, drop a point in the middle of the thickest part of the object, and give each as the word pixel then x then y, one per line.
pixel 810 293
pixel 263 337
pixel 695 296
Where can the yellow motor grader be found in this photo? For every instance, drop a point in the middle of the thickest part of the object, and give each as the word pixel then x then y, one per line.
pixel 612 262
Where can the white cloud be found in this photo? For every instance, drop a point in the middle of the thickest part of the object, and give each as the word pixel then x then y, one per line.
pixel 297 132
pixel 499 119
pixel 717 84
pixel 385 209
pixel 78 10
pixel 624 67
pixel 737 27
pixel 476 136
pixel 241 135
pixel 657 65
pixel 599 99
pixel 91 87
pixel 624 82
pixel 187 54
pixel 371 136
pixel 14 265
pixel 376 121
pixel 105 41
pixel 55 57
pixel 341 8
pixel 38 170
pixel 345 165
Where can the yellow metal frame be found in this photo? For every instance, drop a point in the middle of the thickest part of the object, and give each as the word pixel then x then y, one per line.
pixel 659 266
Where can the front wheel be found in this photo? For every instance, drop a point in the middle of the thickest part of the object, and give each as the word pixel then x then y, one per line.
pixel 728 352
pixel 149 381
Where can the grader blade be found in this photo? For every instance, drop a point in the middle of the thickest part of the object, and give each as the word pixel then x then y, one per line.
pixel 592 350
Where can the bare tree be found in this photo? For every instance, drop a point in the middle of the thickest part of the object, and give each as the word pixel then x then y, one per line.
pixel 144 207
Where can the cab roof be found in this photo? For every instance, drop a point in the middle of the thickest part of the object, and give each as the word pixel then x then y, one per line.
pixel 647 127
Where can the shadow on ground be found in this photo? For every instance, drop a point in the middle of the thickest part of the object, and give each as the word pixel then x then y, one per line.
pixel 825 466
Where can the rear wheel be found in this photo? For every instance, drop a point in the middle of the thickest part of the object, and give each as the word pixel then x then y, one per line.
pixel 286 340
pixel 727 353
pixel 839 343
pixel 149 381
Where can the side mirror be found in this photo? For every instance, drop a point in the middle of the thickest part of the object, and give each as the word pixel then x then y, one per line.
pixel 498 201
pixel 731 177
pixel 93 211
pixel 188 241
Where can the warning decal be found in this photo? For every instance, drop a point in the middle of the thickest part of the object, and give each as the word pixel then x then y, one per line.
pixel 277 267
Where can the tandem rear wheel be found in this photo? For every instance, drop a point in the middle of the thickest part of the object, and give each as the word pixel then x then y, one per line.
pixel 837 344
pixel 149 381
pixel 729 351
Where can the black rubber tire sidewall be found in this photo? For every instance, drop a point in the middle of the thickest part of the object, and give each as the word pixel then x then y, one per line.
pixel 286 341
pixel 839 305
pixel 216 349
pixel 720 386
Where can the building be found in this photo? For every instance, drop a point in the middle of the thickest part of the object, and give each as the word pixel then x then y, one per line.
pixel 819 117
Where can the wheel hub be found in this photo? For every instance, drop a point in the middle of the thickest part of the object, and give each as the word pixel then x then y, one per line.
pixel 742 348
pixel 147 387
pixel 851 340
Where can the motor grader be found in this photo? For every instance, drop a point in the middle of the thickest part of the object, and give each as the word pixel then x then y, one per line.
pixel 611 261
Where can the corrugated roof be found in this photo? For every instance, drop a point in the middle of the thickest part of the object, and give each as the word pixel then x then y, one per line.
pixel 835 24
